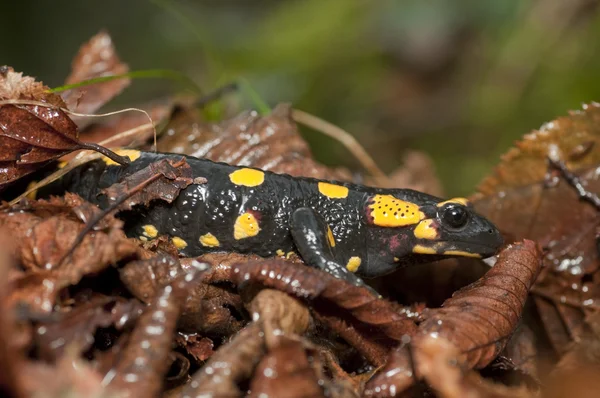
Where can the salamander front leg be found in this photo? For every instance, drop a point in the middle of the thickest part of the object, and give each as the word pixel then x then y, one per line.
pixel 310 234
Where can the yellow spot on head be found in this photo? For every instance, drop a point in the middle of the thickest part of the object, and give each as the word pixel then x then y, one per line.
pixel 333 191
pixel 247 177
pixel 460 201
pixel 245 226
pixel 179 243
pixel 461 253
pixel 425 231
pixel 209 240
pixel 353 264
pixel 420 249
pixel 388 211
pixel 280 253
pixel 150 231
pixel 132 154
pixel 330 237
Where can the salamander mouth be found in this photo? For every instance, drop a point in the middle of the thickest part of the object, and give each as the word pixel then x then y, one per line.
pixel 468 249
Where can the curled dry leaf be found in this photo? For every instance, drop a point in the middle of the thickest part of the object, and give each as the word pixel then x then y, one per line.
pixel 160 180
pixel 277 376
pixel 44 238
pixel 310 283
pixel 32 135
pixel 477 320
pixel 96 58
pixel 232 363
pixel 76 327
pixel 268 142
pixel 140 369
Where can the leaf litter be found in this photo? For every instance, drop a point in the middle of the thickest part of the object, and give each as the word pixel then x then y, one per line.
pixel 113 315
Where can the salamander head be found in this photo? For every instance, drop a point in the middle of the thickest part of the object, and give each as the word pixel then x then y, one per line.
pixel 453 228
pixel 414 226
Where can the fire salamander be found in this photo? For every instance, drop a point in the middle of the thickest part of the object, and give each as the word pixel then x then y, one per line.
pixel 342 228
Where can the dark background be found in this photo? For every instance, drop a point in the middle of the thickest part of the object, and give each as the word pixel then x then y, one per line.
pixel 460 80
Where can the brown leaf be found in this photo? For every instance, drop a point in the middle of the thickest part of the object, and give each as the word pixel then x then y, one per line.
pixel 309 283
pixel 160 180
pixel 527 200
pixel 271 143
pixel 96 58
pixel 140 369
pixel 479 318
pixel 286 372
pixel 233 362
pixel 574 139
pixel 476 321
pixel 200 348
pixel 76 326
pixel 32 135
pixel 44 238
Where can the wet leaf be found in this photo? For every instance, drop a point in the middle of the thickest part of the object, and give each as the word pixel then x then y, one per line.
pixel 33 135
pixel 161 180
pixel 96 58
pixel 277 376
pixel 476 321
pixel 77 326
pixel 44 238
pixel 309 283
pixel 271 143
pixel 141 367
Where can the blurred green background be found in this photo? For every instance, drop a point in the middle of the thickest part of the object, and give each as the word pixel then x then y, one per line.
pixel 460 80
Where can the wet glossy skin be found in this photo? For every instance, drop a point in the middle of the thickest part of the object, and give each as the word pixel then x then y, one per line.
pixel 368 231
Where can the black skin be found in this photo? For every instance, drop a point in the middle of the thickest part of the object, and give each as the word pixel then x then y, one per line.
pixel 293 216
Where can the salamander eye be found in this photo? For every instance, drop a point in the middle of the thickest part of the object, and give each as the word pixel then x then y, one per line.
pixel 454 216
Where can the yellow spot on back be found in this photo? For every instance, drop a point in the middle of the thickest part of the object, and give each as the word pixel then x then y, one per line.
pixel 61 165
pixel 132 154
pixel 333 191
pixel 31 195
pixel 461 253
pixel 245 226
pixel 330 237
pixel 388 211
pixel 280 253
pixel 423 250
pixel 209 240
pixel 179 243
pixel 150 231
pixel 247 177
pixel 396 259
pixel 460 201
pixel 353 264
pixel 425 231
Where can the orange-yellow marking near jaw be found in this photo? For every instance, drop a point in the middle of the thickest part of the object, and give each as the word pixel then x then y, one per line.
pixel 423 250
pixel 245 226
pixel 280 253
pixel 247 177
pixel 209 240
pixel 460 201
pixel 333 191
pixel 388 211
pixel 425 231
pixel 353 264
pixel 330 237
pixel 461 253
pixel 179 243
pixel 132 154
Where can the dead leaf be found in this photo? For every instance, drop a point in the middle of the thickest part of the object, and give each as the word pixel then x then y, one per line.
pixel 96 58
